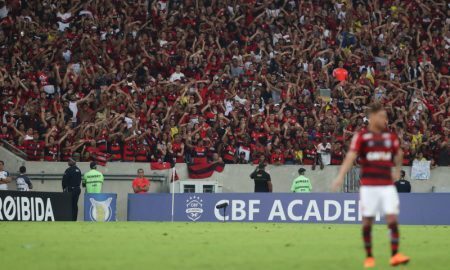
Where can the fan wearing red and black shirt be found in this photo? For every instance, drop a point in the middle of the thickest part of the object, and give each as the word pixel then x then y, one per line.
pixel 381 159
pixel 277 158
pixel 309 154
pixel 34 148
pixel 337 154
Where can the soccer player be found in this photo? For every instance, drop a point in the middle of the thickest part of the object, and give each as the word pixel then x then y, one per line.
pixel 381 158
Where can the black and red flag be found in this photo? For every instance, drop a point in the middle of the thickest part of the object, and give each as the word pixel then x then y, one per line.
pixel 204 170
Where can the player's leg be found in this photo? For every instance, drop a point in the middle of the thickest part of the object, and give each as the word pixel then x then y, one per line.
pixel 367 235
pixel 370 204
pixel 391 210
pixel 392 224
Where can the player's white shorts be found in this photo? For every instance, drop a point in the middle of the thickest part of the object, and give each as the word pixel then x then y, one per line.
pixel 379 199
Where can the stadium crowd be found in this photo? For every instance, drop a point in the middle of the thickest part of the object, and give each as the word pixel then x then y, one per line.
pixel 281 82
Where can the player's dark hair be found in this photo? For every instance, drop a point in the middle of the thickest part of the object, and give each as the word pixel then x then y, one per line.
pixel 22 169
pixel 2 162
pixel 374 108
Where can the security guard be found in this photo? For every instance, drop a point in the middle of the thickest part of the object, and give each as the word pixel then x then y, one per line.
pixel 263 183
pixel 93 179
pixel 403 185
pixel 301 184
pixel 71 183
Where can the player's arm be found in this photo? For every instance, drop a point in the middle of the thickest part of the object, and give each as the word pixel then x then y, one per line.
pixel 345 167
pixel 398 161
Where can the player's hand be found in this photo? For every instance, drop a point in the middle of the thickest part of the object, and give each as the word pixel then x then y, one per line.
pixel 395 175
pixel 337 184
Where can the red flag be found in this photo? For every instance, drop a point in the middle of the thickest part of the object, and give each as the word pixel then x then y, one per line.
pixel 205 170
pixel 161 166
pixel 158 166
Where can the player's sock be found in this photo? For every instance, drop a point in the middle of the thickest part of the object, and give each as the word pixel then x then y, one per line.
pixel 393 227
pixel 367 236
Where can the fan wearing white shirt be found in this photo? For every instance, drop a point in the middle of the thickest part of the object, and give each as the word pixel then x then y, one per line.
pixel 4 177
pixel 177 75
pixel 324 149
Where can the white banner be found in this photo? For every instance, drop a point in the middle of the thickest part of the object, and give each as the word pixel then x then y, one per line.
pixel 420 170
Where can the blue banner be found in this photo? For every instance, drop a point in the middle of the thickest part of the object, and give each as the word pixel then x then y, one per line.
pixel 100 207
pixel 415 208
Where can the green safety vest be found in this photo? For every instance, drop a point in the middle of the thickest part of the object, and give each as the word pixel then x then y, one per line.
pixel 301 184
pixel 93 180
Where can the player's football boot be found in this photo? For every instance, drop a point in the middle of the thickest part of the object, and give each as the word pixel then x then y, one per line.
pixel 398 259
pixel 369 262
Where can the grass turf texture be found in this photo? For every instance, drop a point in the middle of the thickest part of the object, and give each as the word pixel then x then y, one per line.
pixel 199 246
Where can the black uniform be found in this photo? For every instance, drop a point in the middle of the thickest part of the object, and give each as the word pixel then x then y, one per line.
pixel 403 186
pixel 71 183
pixel 261 180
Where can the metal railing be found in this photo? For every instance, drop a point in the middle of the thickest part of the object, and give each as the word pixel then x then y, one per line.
pixel 351 184
pixel 11 148
pixel 108 177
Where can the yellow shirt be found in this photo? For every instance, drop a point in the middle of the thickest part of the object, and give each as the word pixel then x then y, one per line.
pixel 416 140
pixel 184 100
pixel 173 131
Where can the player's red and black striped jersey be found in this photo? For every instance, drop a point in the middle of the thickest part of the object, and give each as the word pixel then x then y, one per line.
pixel 376 152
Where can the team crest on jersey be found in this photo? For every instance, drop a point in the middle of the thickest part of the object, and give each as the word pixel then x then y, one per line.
pixel 194 208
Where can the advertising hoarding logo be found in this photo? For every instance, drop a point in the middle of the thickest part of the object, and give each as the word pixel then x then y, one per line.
pixel 194 208
pixel 101 210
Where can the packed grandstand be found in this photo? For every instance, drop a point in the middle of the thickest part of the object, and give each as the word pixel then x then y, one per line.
pixel 282 82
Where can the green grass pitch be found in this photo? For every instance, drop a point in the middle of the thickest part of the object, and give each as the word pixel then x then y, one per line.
pixel 135 245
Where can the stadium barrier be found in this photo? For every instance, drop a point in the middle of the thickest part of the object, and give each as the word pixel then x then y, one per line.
pixel 35 206
pixel 415 209
pixel 100 207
